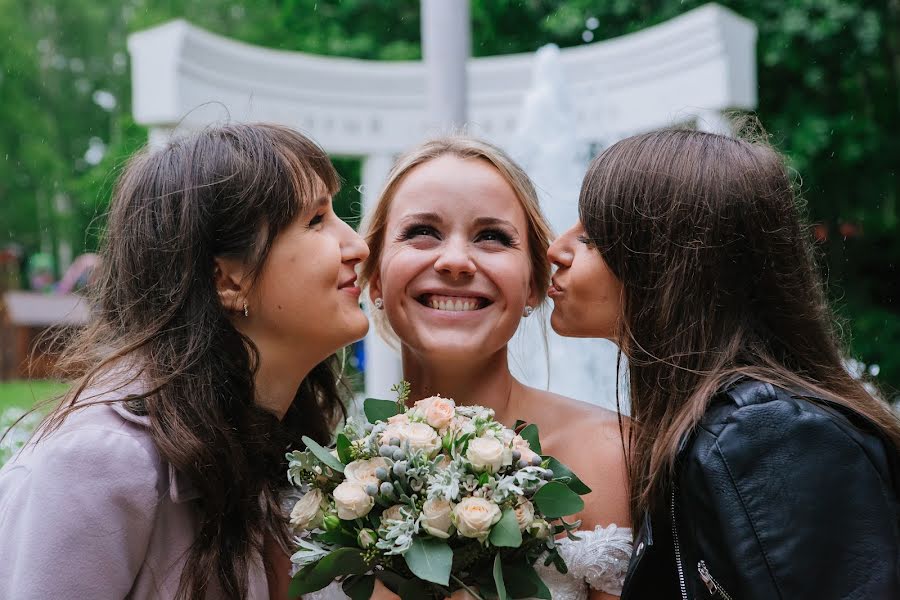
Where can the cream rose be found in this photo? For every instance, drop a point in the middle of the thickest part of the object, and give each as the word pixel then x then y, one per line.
pixel 396 429
pixel 437 412
pixel 474 517
pixel 421 436
pixel 437 517
pixel 363 471
pixel 393 513
pixel 352 501
pixel 307 513
pixel 521 444
pixel 485 454
pixel 524 513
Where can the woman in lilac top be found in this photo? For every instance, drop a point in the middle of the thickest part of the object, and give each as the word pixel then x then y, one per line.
pixel 227 284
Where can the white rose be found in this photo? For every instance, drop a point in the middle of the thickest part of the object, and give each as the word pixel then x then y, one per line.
pixel 437 412
pixel 352 501
pixel 474 517
pixel 307 513
pixel 436 517
pixel 539 528
pixel 396 429
pixel 485 454
pixel 462 425
pixel 421 436
pixel 363 471
pixel 524 513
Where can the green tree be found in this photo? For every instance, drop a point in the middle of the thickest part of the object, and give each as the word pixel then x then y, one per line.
pixel 829 93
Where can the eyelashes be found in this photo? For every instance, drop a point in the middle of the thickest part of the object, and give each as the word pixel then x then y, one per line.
pixel 492 235
pixel 416 230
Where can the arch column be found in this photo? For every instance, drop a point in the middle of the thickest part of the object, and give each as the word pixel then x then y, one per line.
pixel 382 363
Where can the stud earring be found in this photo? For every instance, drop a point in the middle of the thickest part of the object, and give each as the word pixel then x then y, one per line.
pixel 246 311
pixel 527 312
pixel 379 303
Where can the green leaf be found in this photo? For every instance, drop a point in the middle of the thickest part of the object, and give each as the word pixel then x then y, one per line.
pixel 343 561
pixel 555 499
pixel 343 449
pixel 323 454
pixel 531 435
pixel 505 533
pixel 519 423
pixel 338 537
pixel 380 410
pixel 522 581
pixel 430 559
pixel 414 589
pixel 359 588
pixel 561 471
pixel 498 578
pixel 391 580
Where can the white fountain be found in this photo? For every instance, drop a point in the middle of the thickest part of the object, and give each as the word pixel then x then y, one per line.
pixel 547 145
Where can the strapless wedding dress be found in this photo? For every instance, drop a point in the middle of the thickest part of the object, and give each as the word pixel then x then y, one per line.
pixel 598 560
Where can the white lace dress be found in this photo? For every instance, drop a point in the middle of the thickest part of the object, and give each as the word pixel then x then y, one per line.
pixel 598 560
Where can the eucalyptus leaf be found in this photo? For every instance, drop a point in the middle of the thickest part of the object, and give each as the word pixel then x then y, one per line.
pixel 343 449
pixel 506 534
pixel 343 561
pixel 561 471
pixel 555 499
pixel 322 453
pixel 430 559
pixel 498 578
pixel 380 410
pixel 532 436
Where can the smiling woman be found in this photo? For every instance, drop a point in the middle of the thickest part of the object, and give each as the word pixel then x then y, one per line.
pixel 458 260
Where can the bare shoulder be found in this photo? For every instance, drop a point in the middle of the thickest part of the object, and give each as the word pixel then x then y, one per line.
pixel 589 440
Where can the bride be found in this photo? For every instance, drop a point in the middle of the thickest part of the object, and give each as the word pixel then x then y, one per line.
pixel 458 257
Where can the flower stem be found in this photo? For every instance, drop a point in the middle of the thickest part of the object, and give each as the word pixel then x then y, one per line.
pixel 475 594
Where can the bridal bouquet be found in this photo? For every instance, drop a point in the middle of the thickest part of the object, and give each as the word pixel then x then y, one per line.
pixel 430 500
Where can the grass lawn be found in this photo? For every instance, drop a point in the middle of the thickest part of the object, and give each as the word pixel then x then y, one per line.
pixel 25 394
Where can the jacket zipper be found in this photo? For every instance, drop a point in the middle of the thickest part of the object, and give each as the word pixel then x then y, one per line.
pixel 681 581
pixel 711 584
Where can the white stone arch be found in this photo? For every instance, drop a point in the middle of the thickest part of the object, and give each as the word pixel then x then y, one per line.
pixel 692 67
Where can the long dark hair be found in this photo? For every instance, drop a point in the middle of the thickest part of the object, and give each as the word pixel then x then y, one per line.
pixel 226 191
pixel 719 281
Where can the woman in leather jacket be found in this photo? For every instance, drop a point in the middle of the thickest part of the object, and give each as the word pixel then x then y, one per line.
pixel 759 467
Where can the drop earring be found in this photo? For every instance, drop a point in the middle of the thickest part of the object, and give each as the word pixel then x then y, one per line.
pixel 379 304
pixel 527 312
pixel 246 311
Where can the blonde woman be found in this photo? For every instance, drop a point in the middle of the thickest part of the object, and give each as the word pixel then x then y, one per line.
pixel 458 258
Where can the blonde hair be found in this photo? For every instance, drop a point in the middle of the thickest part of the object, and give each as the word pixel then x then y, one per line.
pixel 463 147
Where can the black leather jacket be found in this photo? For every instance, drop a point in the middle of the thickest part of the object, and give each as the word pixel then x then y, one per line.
pixel 776 497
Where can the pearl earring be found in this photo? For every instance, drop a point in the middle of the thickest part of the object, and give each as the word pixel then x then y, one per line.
pixel 527 312
pixel 246 311
pixel 379 303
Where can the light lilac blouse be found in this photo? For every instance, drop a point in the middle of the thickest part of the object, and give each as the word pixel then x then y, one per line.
pixel 92 511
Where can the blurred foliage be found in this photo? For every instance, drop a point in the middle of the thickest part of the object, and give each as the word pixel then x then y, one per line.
pixel 829 92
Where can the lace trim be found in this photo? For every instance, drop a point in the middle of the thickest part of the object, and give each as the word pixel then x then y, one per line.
pixel 599 559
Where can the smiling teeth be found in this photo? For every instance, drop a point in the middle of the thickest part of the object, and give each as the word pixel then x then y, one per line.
pixel 454 305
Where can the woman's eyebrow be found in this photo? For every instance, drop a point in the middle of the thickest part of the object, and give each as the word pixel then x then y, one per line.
pixel 488 221
pixel 427 217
